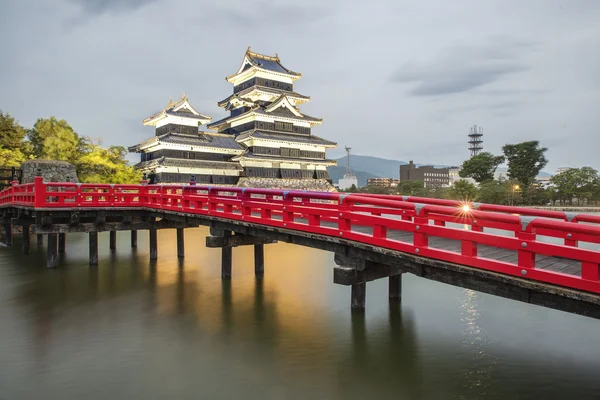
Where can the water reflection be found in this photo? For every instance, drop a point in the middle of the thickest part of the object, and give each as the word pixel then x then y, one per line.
pixel 172 328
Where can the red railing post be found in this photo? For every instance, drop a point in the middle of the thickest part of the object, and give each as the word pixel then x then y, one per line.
pixel 526 258
pixel 421 221
pixel 344 206
pixel 39 192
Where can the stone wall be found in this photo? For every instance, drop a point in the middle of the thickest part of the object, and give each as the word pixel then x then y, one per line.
pixel 51 170
pixel 318 185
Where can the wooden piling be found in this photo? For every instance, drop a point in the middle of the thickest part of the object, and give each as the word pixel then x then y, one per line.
pixel 226 259
pixel 52 251
pixel 259 260
pixel 180 243
pixel 40 239
pixel 93 248
pixel 358 296
pixel 26 238
pixel 395 288
pixel 8 234
pixel 62 242
pixel 133 238
pixel 113 240
pixel 153 244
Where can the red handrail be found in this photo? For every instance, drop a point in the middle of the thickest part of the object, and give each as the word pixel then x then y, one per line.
pixel 336 214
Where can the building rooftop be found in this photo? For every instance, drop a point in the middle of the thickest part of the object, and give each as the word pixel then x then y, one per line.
pixel 249 155
pixel 288 137
pixel 274 91
pixel 180 108
pixel 202 139
pixel 180 162
pixel 264 62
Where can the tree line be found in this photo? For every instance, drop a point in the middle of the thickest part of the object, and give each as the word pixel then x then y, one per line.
pixel 54 139
pixel 525 161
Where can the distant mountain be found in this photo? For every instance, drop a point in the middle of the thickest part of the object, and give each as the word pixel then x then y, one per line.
pixel 378 167
pixel 337 173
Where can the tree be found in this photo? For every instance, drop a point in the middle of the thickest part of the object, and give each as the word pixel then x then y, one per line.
pixel 494 192
pixel 481 167
pixel 525 161
pixel 55 140
pixel 463 190
pixel 412 188
pixel 100 165
pixel 579 183
pixel 13 148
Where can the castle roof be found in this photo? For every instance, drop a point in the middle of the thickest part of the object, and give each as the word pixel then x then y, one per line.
pixel 265 63
pixel 181 108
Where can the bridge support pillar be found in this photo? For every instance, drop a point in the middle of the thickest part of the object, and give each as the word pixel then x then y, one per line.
pixel 8 234
pixel 134 238
pixel 40 239
pixel 26 238
pixel 153 244
pixel 93 248
pixel 395 288
pixel 358 296
pixel 180 243
pixel 62 242
pixel 113 240
pixel 52 251
pixel 226 258
pixel 259 260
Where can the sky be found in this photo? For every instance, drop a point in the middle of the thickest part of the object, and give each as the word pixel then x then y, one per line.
pixel 396 79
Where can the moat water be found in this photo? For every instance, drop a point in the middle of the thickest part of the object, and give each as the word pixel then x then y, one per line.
pixel 131 328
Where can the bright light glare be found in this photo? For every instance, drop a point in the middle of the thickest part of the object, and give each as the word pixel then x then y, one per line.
pixel 466 208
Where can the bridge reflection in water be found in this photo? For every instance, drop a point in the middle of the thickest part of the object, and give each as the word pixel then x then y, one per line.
pixel 171 328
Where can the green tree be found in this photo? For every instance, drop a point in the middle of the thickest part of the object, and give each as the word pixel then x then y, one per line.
pixel 494 192
pixel 100 165
pixel 579 183
pixel 463 190
pixel 412 188
pixel 13 147
pixel 481 167
pixel 55 140
pixel 525 161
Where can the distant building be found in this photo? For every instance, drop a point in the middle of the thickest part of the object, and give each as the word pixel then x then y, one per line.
pixel 454 175
pixel 349 178
pixel 383 182
pixel 431 176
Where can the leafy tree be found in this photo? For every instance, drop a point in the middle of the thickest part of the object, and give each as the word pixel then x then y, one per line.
pixel 13 148
pixel 481 167
pixel 412 188
pixel 580 183
pixel 494 192
pixel 55 140
pixel 100 165
pixel 463 190
pixel 525 161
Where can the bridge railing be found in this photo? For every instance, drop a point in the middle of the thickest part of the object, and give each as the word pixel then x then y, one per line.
pixel 368 219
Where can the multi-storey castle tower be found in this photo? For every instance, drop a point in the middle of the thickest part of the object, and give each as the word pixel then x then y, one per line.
pixel 280 150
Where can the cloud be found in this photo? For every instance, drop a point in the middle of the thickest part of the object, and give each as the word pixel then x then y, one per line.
pixel 97 7
pixel 464 68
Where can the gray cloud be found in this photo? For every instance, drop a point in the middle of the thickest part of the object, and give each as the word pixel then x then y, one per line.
pixel 95 7
pixel 463 68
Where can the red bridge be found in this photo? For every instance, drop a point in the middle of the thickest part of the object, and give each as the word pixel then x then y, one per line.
pixel 549 258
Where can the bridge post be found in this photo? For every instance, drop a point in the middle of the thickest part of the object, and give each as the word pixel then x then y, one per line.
pixel 40 239
pixel 26 237
pixel 8 234
pixel 134 238
pixel 358 296
pixel 113 240
pixel 180 243
pixel 259 260
pixel 153 244
pixel 93 248
pixel 395 288
pixel 52 251
pixel 62 241
pixel 226 259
